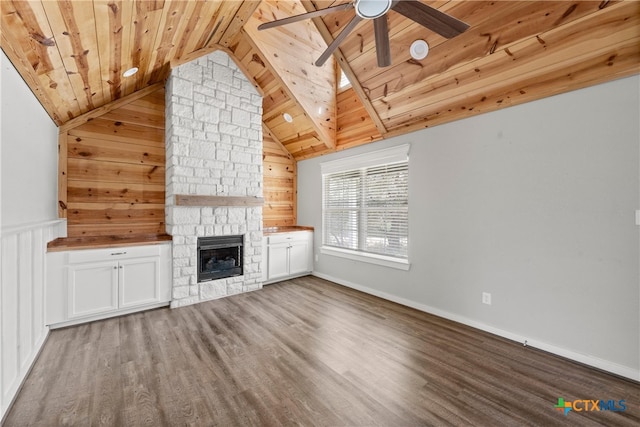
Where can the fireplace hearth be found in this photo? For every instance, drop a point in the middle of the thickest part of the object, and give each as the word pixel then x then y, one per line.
pixel 219 257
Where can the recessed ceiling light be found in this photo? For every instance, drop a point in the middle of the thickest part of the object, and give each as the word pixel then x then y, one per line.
pixel 419 49
pixel 287 117
pixel 130 72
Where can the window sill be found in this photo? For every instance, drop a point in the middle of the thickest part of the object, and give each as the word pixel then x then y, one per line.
pixel 382 260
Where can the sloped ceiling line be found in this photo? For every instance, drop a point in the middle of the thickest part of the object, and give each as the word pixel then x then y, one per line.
pixel 344 64
pixel 265 63
pixel 290 52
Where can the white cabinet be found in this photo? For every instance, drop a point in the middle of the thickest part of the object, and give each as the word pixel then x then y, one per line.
pixel 287 255
pixel 92 284
pixel 138 281
pixel 92 289
pixel 277 261
pixel 300 257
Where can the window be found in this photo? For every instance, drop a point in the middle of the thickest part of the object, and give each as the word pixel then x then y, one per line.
pixel 365 207
pixel 343 82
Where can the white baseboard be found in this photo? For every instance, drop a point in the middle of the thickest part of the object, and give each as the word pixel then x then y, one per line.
pixel 596 362
pixel 102 316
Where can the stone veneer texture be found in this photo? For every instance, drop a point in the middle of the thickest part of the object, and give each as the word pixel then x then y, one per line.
pixel 214 147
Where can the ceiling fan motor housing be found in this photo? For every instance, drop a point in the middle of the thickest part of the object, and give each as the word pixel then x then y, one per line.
pixel 371 9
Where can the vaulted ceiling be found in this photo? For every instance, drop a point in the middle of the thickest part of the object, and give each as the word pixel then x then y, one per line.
pixel 72 55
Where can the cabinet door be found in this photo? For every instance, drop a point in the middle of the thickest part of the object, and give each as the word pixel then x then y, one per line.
pixel 299 257
pixel 92 288
pixel 278 260
pixel 139 280
pixel 265 260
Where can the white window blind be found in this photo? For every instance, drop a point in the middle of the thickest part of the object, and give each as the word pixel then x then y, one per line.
pixel 366 203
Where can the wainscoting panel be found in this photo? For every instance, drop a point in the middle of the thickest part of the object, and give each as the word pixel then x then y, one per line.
pixel 22 293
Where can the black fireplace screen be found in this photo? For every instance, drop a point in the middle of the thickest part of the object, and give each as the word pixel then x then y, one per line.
pixel 219 257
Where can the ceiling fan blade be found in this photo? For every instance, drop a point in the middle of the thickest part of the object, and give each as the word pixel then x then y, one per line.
pixel 303 16
pixel 336 42
pixel 441 23
pixel 383 51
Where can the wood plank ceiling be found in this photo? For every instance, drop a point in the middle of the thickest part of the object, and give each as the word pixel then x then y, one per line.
pixel 72 55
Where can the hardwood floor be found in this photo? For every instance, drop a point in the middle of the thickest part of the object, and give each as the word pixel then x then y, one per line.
pixel 304 352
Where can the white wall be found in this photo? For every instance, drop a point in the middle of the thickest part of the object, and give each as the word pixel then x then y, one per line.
pixel 28 220
pixel 30 151
pixel 534 204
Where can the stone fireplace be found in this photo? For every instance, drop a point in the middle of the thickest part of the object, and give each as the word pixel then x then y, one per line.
pixel 214 173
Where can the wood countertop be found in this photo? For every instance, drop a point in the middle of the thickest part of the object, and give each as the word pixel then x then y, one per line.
pixel 96 242
pixel 285 229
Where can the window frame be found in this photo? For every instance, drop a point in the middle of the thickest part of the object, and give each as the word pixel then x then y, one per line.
pixel 359 162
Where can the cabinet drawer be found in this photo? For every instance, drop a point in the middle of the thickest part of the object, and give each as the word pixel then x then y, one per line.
pixel 93 255
pixel 287 237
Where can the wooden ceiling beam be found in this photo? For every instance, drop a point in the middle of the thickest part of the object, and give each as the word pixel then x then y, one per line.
pixel 248 38
pixel 242 15
pixel 344 64
pixel 276 99
pixel 219 23
pixel 290 51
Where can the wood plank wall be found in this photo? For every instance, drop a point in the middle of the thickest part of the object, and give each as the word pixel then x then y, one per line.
pixel 114 169
pixel 112 173
pixel 279 187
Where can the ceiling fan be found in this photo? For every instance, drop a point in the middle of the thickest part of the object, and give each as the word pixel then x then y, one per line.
pixel 427 16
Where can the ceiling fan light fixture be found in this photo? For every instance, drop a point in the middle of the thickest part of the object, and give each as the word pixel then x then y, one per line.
pixel 419 49
pixel 371 9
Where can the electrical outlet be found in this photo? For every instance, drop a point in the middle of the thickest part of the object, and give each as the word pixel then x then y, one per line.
pixel 486 298
pixel 316 257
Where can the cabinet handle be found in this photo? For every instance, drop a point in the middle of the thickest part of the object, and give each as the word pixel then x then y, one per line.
pixel 119 253
pixel 120 267
pixel 115 268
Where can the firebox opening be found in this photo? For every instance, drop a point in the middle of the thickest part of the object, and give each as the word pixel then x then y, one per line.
pixel 219 257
